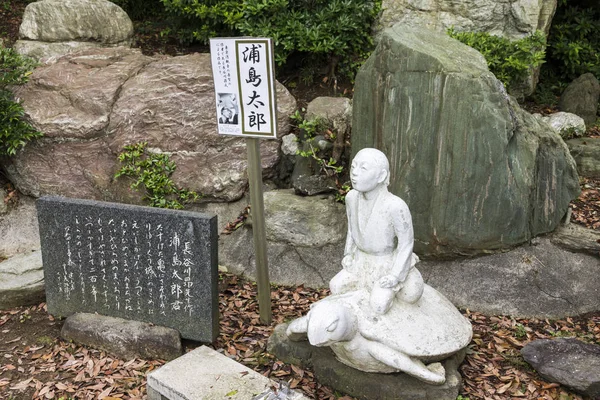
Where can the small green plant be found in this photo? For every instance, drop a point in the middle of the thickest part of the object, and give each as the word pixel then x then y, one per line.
pixel 310 129
pixel 520 331
pixel 15 132
pixel 153 171
pixel 460 397
pixel 509 61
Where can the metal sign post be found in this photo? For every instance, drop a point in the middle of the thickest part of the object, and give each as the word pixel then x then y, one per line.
pixel 243 71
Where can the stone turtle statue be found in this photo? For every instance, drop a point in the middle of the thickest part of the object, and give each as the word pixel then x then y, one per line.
pixel 402 340
pixel 381 316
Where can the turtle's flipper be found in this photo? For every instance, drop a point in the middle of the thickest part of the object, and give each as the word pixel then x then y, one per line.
pixel 433 374
pixel 297 329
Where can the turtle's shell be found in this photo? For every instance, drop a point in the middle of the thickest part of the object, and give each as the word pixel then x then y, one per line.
pixel 430 329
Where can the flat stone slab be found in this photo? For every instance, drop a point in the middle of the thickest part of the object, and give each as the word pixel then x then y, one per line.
pixel 363 385
pixel 569 362
pixel 138 263
pixel 21 280
pixel 540 280
pixel 208 375
pixel 123 338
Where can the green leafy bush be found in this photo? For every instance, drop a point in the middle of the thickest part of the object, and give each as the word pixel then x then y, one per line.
pixel 337 32
pixel 141 9
pixel 509 60
pixel 574 42
pixel 15 132
pixel 153 172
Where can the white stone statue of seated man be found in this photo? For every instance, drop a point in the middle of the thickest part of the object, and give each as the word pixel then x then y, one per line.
pixel 381 317
pixel 379 254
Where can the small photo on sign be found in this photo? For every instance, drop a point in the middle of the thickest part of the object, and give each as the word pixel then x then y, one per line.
pixel 228 108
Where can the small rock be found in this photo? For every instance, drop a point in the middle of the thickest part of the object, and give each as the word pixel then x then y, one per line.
pixel 123 338
pixel 309 185
pixel 19 231
pixel 577 238
pixel 581 98
pixel 569 362
pixel 289 145
pixel 586 153
pixel 566 124
pixel 21 280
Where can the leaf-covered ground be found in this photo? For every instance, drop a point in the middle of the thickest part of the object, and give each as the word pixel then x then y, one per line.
pixel 36 364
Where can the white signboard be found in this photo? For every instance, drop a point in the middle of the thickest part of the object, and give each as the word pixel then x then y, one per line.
pixel 244 86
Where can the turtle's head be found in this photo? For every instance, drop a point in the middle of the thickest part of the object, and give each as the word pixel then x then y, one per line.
pixel 330 322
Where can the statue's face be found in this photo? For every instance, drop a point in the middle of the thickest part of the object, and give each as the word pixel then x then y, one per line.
pixel 365 174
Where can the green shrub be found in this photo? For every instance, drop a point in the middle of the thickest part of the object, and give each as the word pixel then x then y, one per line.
pixel 574 42
pixel 337 32
pixel 153 172
pixel 15 132
pixel 141 9
pixel 509 60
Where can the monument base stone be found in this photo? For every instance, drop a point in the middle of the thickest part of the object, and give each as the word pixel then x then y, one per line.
pixel 362 385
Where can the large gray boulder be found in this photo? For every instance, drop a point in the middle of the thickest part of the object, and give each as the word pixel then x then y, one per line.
pixel 124 338
pixel 92 103
pixel 478 173
pixel 512 19
pixel 581 98
pixel 586 152
pixel 570 362
pixel 52 28
pixel 305 237
pixel 19 229
pixel 22 280
pixel 540 280
pixel 82 20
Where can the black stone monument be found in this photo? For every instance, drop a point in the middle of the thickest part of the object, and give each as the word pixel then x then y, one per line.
pixel 140 263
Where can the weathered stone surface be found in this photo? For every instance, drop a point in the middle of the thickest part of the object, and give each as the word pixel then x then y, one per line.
pixel 90 104
pixel 73 98
pixel 566 124
pixel 477 172
pixel 19 229
pixel 577 238
pixel 337 112
pixel 147 264
pixel 309 185
pixel 586 152
pixel 171 105
pixel 84 20
pixel 581 98
pixel 512 19
pixel 3 205
pixel 124 338
pixel 362 385
pixel 303 221
pixel 206 374
pixel 289 144
pixel 569 362
pixel 48 51
pixel 70 168
pixel 538 280
pixel 21 280
pixel 305 240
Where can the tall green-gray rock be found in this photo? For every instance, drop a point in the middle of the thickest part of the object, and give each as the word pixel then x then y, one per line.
pixel 478 173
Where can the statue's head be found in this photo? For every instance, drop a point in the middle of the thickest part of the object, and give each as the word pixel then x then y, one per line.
pixel 370 169
pixel 330 322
